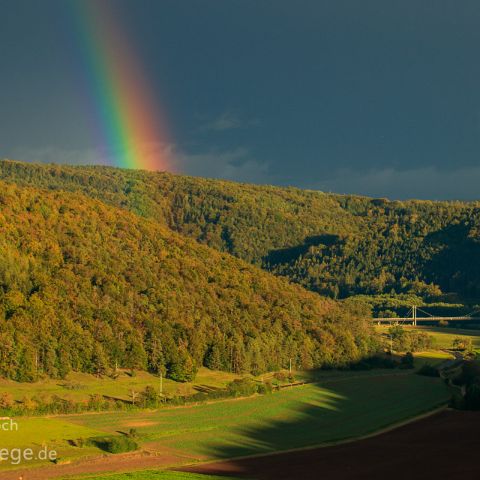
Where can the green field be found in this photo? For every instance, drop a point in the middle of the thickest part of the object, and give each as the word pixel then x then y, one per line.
pixel 443 336
pixel 342 405
pixel 433 358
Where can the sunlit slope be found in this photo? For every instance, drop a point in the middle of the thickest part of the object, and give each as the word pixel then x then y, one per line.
pixel 88 287
pixel 246 220
pixel 337 245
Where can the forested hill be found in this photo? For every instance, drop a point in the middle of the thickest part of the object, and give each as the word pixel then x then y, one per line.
pixel 338 245
pixel 87 286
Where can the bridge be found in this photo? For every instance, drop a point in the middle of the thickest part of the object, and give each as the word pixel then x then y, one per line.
pixel 413 317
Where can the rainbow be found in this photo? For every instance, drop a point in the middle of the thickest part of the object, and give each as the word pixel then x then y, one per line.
pixel 130 129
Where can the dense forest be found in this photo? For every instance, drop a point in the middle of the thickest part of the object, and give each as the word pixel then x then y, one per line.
pixel 92 287
pixel 336 245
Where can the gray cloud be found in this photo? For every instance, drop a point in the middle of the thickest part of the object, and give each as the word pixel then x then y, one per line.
pixel 226 121
pixel 236 164
pixel 422 183
pixel 88 156
pixel 51 154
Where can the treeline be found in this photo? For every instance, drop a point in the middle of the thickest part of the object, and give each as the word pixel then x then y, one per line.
pixel 336 245
pixel 92 288
pixel 149 397
pixel 409 341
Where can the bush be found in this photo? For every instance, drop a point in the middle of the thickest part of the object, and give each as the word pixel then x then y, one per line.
pixel 464 344
pixel 79 442
pixel 280 376
pixel 363 365
pixel 115 444
pixel 6 400
pixel 199 397
pixel 265 388
pixel 376 361
pixel 407 361
pixel 149 397
pixel 242 387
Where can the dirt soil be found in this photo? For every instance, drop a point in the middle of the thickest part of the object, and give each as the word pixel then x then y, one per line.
pixel 442 446
pixel 112 463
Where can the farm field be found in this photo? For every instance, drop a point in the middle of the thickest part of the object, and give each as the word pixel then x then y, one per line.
pixel 397 454
pixel 348 404
pixel 443 336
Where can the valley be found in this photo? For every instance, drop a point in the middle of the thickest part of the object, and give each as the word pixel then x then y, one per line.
pixel 239 240
pixel 153 322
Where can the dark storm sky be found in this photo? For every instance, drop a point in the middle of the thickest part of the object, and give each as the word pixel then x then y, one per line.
pixel 374 97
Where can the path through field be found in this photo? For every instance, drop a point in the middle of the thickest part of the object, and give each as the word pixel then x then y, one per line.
pixel 118 463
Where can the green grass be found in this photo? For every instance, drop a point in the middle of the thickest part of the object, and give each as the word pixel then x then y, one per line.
pixel 443 336
pixel 44 431
pixel 86 385
pixel 343 405
pixel 347 406
pixel 431 357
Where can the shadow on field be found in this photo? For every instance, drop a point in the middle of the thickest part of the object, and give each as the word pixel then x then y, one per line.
pixel 302 418
pixel 323 415
pixel 280 434
pixel 297 424
pixel 205 388
pixel 442 446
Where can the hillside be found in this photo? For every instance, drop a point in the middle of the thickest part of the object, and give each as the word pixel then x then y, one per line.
pixel 90 287
pixel 336 245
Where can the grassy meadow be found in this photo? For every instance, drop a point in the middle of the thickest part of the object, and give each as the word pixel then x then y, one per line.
pixel 443 336
pixel 79 386
pixel 340 406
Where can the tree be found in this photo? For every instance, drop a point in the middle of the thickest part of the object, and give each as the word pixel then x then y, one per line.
pixel 99 360
pixel 462 343
pixel 407 360
pixel 6 400
pixel 135 356
pixel 149 397
pixel 213 357
pixel 182 368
